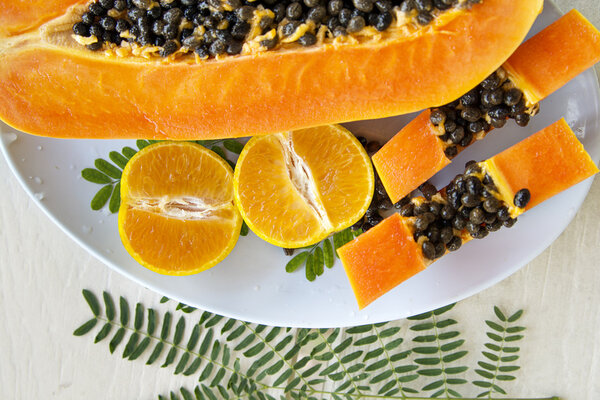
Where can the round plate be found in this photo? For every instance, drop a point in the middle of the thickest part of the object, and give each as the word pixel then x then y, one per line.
pixel 251 283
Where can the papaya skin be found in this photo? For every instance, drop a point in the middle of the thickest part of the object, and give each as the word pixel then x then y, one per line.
pixel 19 16
pixel 540 66
pixel 69 92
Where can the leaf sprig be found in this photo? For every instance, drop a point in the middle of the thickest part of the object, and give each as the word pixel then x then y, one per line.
pixel 321 254
pixel 503 352
pixel 233 359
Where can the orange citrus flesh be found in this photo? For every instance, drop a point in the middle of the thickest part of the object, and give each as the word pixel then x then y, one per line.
pixel 177 215
pixel 295 189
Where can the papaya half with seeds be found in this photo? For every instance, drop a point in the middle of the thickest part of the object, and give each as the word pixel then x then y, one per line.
pixel 488 196
pixel 52 85
pixel 535 70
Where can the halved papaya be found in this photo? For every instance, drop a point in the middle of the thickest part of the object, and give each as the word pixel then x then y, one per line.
pixel 538 67
pixel 488 196
pixel 51 84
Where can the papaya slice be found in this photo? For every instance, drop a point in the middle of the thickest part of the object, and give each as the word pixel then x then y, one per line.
pixel 490 195
pixel 381 259
pixel 538 67
pixel 51 84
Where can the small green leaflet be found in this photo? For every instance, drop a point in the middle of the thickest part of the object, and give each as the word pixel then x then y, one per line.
pixel 320 255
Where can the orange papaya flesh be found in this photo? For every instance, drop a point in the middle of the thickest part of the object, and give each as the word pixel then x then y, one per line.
pixel 536 68
pixel 542 165
pixel 557 54
pixel 381 259
pixel 410 157
pixel 19 16
pixel 266 92
pixel 545 163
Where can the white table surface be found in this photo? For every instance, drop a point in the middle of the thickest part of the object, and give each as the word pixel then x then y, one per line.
pixel 42 273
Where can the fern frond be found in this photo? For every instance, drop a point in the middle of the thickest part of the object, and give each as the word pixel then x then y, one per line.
pixel 437 349
pixel 233 359
pixel 497 364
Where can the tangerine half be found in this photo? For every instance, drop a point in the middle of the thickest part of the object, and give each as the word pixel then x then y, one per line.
pixel 296 188
pixel 177 215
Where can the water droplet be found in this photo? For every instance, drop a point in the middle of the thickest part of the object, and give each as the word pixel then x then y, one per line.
pixel 10 137
pixel 86 229
pixel 40 148
pixel 72 166
pixel 23 159
pixel 109 251
pixel 256 288
pixel 39 196
pixel 38 180
pixel 100 221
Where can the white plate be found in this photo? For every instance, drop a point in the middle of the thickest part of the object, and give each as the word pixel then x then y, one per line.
pixel 252 285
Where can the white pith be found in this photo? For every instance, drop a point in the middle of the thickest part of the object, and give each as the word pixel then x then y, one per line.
pixel 303 181
pixel 184 208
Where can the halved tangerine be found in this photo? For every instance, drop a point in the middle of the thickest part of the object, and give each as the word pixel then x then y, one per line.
pixel 177 215
pixel 296 188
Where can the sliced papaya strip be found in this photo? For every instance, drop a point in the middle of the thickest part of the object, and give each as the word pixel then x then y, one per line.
pixel 48 78
pixel 381 259
pixel 488 196
pixel 563 161
pixel 557 54
pixel 538 67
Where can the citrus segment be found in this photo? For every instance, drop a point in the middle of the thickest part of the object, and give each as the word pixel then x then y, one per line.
pixel 294 189
pixel 267 198
pixel 177 215
pixel 337 161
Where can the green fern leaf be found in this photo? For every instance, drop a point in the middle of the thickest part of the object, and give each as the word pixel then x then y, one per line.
pixel 183 361
pixel 515 316
pixel 193 367
pixel 499 314
pixel 139 350
pixel 86 327
pixel 124 311
pixel 103 332
pixel 170 357
pixel 155 353
pixel 107 168
pixel 131 344
pixel 213 321
pixel 116 340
